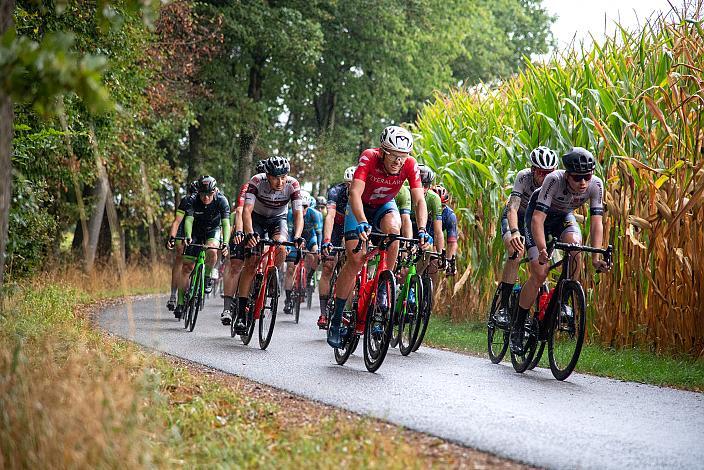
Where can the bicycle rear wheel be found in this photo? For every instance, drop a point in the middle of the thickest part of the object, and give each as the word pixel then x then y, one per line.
pixel 426 309
pixel 379 324
pixel 411 319
pixel 349 321
pixel 521 362
pixel 496 336
pixel 567 332
pixel 538 356
pixel 267 316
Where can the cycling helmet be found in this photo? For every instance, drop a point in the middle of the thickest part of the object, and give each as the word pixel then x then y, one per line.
pixel 206 184
pixel 349 174
pixel 193 187
pixel 396 138
pixel 261 166
pixel 443 193
pixel 305 198
pixel 579 160
pixel 320 201
pixel 277 166
pixel 543 158
pixel 427 175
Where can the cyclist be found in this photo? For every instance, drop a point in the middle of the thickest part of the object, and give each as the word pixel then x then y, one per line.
pixel 377 179
pixel 434 208
pixel 207 223
pixel 550 212
pixel 232 273
pixel 332 236
pixel 449 226
pixel 312 232
pixel 403 202
pixel 264 214
pixel 177 231
pixel 543 161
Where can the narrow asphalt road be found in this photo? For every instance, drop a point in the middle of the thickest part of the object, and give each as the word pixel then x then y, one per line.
pixel 585 422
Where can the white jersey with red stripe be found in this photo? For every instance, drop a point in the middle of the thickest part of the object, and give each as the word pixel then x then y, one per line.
pixel 269 202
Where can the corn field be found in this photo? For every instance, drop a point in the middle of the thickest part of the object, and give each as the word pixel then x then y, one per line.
pixel 636 101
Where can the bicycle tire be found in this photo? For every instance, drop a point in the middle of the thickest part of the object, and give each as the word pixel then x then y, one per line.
pixel 197 298
pixel 496 349
pixel 521 362
pixel 253 292
pixel 561 322
pixel 538 356
pixel 381 311
pixel 343 353
pixel 299 295
pixel 330 305
pixel 427 309
pixel 267 320
pixel 411 319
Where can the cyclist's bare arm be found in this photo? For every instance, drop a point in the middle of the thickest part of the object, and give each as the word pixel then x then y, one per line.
pixel 238 225
pixel 406 226
pixel 247 218
pixel 421 210
pixel 439 241
pixel 176 223
pixel 514 203
pixel 451 249
pixel 329 222
pixel 297 223
pixel 355 200
pixel 537 225
pixel 596 235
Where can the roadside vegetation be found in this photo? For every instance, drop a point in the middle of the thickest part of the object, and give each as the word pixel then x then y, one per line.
pixel 636 102
pixel 75 397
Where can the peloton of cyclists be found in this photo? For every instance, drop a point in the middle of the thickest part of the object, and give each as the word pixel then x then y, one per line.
pixel 379 176
pixel 449 226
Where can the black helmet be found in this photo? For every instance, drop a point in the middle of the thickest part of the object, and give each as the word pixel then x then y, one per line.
pixel 579 160
pixel 427 175
pixel 206 184
pixel 193 187
pixel 261 166
pixel 277 166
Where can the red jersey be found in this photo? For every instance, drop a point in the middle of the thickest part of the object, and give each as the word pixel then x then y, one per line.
pixel 382 187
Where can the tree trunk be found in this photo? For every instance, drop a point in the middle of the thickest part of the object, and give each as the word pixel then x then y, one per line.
pixel 249 135
pixel 194 154
pixel 100 195
pixel 7 7
pixel 150 213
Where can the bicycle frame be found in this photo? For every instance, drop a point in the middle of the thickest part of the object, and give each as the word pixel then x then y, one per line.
pixel 410 263
pixel 264 266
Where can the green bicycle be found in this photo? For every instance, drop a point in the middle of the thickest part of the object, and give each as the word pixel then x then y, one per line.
pixel 408 304
pixel 194 297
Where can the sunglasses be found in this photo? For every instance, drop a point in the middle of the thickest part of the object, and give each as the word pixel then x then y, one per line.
pixel 396 158
pixel 578 178
pixel 541 172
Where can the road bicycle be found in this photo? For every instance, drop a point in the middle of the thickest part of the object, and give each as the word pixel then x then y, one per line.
pixel 263 296
pixel 560 319
pixel 426 306
pixel 408 318
pixel 371 309
pixel 194 296
pixel 330 306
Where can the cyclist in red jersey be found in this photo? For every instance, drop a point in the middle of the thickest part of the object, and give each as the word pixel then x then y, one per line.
pixel 379 176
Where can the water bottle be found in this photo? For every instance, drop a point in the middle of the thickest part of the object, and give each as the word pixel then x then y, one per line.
pixel 543 302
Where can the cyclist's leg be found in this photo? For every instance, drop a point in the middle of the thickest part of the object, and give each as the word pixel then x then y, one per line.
pixel 509 275
pixel 571 233
pixel 388 220
pixel 176 267
pixel 288 279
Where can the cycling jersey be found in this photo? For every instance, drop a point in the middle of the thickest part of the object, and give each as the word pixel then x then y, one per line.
pixel 270 203
pixel 312 226
pixel 208 217
pixel 433 205
pixel 524 186
pixel 381 187
pixel 403 200
pixel 449 224
pixel 183 207
pixel 556 197
pixel 338 197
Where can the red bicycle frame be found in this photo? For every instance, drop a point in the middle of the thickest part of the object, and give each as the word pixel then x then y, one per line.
pixel 367 287
pixel 266 264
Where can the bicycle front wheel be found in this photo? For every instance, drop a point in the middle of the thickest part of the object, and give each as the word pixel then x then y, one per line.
pixel 379 324
pixel 411 318
pixel 197 298
pixel 496 336
pixel 426 309
pixel 249 313
pixel 299 294
pixel 567 334
pixel 267 317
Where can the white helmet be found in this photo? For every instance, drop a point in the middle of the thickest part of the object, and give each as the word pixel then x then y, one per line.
pixel 349 174
pixel 396 138
pixel 305 198
pixel 543 158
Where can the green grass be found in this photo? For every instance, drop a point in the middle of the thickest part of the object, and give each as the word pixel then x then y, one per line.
pixel 75 397
pixel 624 364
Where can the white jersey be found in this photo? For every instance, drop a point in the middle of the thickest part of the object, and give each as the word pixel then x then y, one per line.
pixel 524 186
pixel 269 203
pixel 555 195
